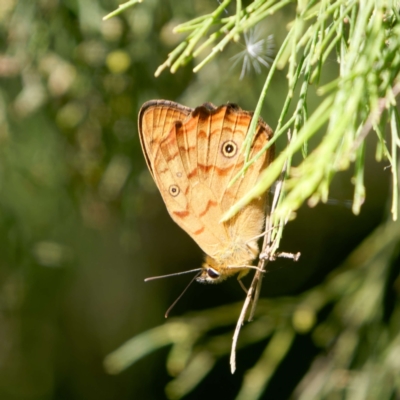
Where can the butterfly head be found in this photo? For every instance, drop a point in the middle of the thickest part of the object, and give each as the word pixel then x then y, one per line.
pixel 211 272
pixel 210 275
pixel 216 271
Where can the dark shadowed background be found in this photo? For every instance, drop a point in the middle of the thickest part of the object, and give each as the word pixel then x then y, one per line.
pixel 81 222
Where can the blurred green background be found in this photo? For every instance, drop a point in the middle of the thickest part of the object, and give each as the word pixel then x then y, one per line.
pixel 81 222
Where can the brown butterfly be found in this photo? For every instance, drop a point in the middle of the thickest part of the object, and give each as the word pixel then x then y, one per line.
pixel 193 154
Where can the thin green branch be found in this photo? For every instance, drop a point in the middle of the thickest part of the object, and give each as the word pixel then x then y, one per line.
pixel 394 124
pixel 121 8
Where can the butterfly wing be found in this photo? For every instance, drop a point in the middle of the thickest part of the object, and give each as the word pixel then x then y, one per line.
pixel 248 222
pixel 170 146
pixel 156 118
pixel 193 155
pixel 216 156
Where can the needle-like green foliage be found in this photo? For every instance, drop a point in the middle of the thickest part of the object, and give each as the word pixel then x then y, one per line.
pixel 359 345
pixel 365 37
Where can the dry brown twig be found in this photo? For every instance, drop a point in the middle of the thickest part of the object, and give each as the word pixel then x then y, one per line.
pixel 267 254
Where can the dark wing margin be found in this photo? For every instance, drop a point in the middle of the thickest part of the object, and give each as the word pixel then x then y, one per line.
pixel 160 112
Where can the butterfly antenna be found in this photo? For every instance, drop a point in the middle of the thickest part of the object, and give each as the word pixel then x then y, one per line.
pixel 153 278
pixel 179 297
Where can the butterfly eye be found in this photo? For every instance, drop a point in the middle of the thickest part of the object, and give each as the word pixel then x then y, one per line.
pixel 229 148
pixel 212 273
pixel 174 190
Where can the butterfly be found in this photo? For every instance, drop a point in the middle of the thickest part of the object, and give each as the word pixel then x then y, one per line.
pixel 192 155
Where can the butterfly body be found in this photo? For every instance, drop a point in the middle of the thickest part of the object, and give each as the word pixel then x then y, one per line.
pixel 193 154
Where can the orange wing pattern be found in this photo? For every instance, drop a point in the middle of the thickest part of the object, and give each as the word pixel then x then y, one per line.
pixel 193 154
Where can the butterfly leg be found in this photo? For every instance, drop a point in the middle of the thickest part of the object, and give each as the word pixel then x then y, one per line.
pixel 242 285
